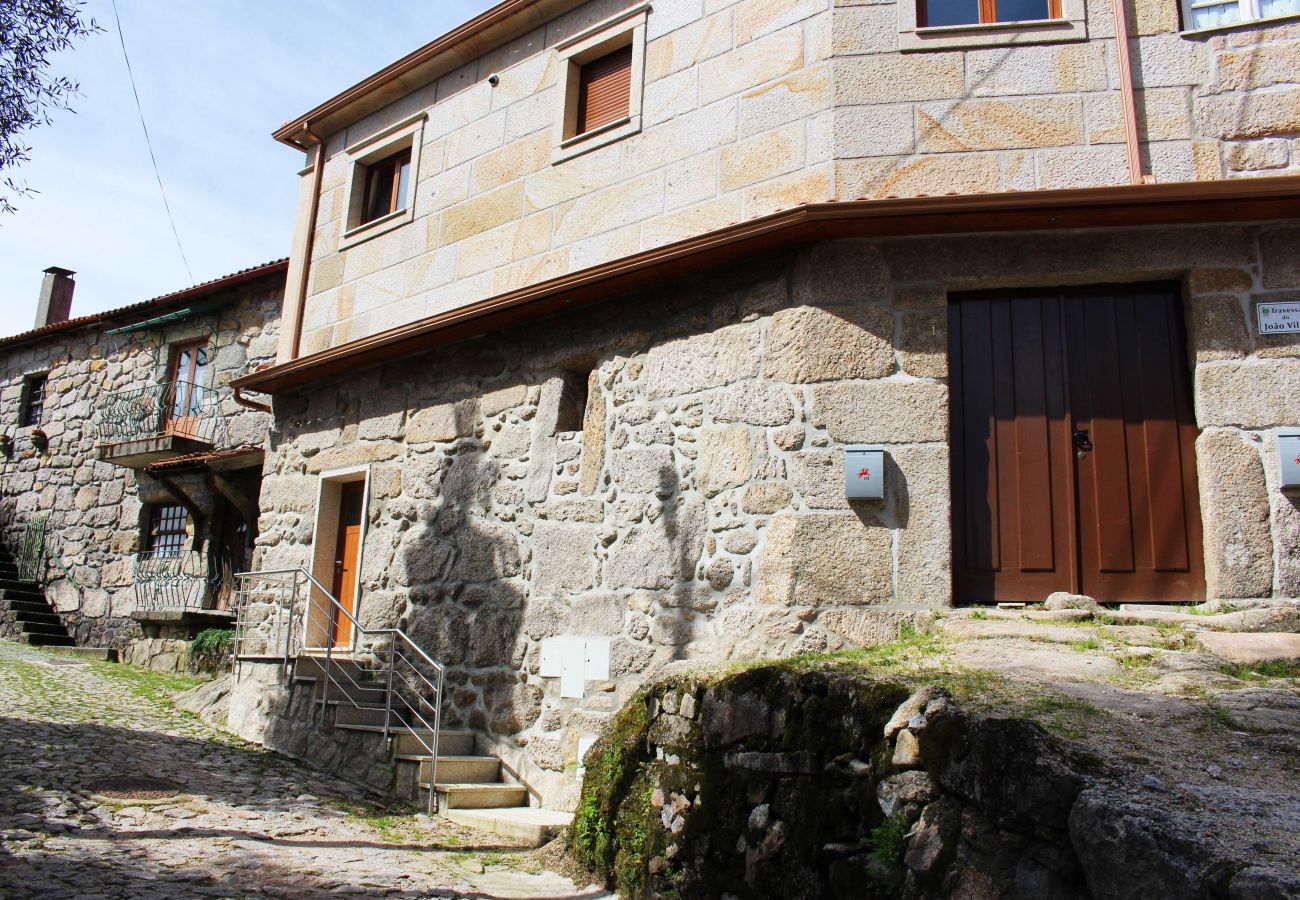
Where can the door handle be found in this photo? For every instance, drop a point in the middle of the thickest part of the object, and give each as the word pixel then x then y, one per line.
pixel 1082 441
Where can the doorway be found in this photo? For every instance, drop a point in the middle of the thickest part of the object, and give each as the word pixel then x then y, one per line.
pixel 337 554
pixel 1073 445
pixel 347 556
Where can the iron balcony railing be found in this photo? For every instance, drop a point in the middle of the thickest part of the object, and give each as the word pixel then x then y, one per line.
pixel 411 681
pixel 171 408
pixel 175 579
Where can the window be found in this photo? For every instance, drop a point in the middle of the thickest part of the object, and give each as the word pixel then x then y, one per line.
pixel 34 403
pixel 381 193
pixel 573 400
pixel 604 90
pixel 600 83
pixel 386 183
pixel 938 13
pixel 168 530
pixel 189 384
pixel 1199 14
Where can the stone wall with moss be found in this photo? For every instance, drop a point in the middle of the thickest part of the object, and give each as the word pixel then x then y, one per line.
pixel 695 509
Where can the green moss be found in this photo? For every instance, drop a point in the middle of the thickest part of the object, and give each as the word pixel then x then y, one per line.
pixel 1087 644
pixel 1261 671
pixel 979 615
pixel 146 683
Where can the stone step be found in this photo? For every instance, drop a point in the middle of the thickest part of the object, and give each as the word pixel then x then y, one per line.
pixel 47 640
pixel 54 629
pixel 1253 648
pixel 366 694
pixel 457 769
pixel 530 826
pixel 347 714
pixel 30 615
pixel 23 595
pixel 454 743
pixel 482 795
pixel 104 654
pixel 16 585
pixel 33 606
pixel 313 665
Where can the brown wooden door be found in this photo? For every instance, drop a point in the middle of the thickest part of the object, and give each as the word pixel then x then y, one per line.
pixel 1073 446
pixel 188 375
pixel 347 553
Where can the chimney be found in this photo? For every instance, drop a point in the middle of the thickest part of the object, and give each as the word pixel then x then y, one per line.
pixel 56 297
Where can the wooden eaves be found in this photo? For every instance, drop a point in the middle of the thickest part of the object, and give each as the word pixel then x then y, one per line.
pixel 1256 199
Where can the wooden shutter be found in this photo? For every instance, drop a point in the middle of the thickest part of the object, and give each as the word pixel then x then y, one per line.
pixel 605 90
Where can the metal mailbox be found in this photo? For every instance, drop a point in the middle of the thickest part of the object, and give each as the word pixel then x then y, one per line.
pixel 1288 459
pixel 864 472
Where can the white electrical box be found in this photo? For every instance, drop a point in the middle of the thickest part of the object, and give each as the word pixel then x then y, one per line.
pixel 1288 459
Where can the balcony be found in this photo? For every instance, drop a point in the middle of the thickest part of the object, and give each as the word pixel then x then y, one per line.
pixel 177 588
pixel 140 426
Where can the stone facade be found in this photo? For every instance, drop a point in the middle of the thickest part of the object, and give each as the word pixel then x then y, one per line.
pixel 96 509
pixel 756 106
pixel 697 511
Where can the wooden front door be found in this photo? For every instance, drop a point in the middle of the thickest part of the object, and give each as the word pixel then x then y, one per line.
pixel 347 554
pixel 1073 456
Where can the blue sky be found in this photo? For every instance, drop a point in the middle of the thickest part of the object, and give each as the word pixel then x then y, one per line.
pixel 214 79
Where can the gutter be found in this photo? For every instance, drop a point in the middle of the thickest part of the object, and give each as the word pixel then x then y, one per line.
pixel 1252 199
pixel 238 395
pixel 299 295
pixel 1127 95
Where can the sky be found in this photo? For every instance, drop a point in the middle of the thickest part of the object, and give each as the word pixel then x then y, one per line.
pixel 215 79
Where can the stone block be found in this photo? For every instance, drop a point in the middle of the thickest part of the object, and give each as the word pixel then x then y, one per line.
pixel 1164 114
pixel 514 160
pixel 999 124
pixel 763 499
pixel 564 557
pixel 1260 395
pixel 923 349
pixel 443 422
pixel 920 296
pixel 810 344
pixel 1281 263
pixel 1254 68
pixel 964 173
pixel 659 555
pixel 788 191
pixel 920 488
pixel 755 18
pixel 725 460
pixel 1235 515
pixel 644 470
pixel 898 78
pixel 824 560
pixel 893 411
pixel 761 157
pixel 795 97
pixel 753 64
pixel 1255 156
pixel 691 364
pixel 1219 281
pixel 631 201
pixel 592 466
pixel 1041 69
pixel 1079 167
pixel 751 403
pixel 1260 114
pixel 863 29
pixel 600 613
pixel 482 212
pixel 818 476
pixel 875 131
pixel 1218 328
pixel 688 46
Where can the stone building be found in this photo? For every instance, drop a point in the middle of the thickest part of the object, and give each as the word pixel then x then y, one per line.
pixel 587 302
pixel 130 471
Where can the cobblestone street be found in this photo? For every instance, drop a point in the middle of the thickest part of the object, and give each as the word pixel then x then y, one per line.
pixel 247 823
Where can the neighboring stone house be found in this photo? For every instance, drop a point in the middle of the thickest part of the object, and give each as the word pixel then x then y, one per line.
pixel 587 302
pixel 129 462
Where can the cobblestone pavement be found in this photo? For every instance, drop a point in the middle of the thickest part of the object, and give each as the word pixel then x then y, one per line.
pixel 248 823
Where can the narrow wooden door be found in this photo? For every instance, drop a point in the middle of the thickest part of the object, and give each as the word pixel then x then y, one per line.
pixel 347 554
pixel 189 372
pixel 1073 446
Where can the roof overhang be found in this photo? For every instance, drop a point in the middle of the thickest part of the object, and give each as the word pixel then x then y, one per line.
pixel 1255 199
pixel 461 45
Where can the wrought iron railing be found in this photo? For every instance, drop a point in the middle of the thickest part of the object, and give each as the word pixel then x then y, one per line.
pixel 31 555
pixel 173 407
pixel 175 579
pixel 411 681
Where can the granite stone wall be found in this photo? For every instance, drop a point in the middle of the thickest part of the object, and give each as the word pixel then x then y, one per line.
pixel 95 508
pixel 698 513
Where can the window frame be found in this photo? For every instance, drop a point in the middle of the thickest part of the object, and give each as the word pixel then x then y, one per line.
pixel 1252 14
pixel 160 515
pixel 625 29
pixel 1071 25
pixel 987 8
pixel 37 382
pixel 188 392
pixel 397 161
pixel 406 135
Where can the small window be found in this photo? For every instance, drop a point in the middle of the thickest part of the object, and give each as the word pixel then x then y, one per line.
pixel 168 526
pixel 1199 14
pixel 34 403
pixel 605 90
pixel 386 183
pixel 939 13
pixel 573 401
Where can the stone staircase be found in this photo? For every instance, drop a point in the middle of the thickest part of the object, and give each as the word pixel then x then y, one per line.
pixel 473 788
pixel 25 614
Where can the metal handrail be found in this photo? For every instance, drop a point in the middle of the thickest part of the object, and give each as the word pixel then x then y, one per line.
pixel 174 578
pixel 169 407
pixel 385 672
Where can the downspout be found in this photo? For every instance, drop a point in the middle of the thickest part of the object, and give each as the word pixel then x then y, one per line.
pixel 239 397
pixel 1127 95
pixel 304 271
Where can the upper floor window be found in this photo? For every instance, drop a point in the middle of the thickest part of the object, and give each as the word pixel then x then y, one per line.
pixel 189 376
pixel 604 90
pixel 1198 14
pixel 168 529
pixel 386 184
pixel 34 402
pixel 936 13
pixel 601 74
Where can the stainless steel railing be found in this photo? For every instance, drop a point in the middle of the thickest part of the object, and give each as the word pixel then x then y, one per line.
pixel 266 609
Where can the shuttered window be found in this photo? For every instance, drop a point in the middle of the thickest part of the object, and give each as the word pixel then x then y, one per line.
pixel 605 90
